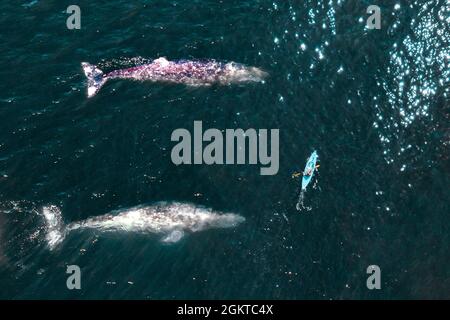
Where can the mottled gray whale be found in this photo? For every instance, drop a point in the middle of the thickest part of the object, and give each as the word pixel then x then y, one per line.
pixel 188 72
pixel 170 220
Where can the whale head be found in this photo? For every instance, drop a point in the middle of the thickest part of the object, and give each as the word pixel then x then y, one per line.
pixel 196 218
pixel 225 220
pixel 239 73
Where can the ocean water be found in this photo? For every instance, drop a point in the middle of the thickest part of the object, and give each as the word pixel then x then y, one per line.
pixel 373 103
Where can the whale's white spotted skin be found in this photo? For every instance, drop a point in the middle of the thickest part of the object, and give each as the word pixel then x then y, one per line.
pixel 170 220
pixel 188 72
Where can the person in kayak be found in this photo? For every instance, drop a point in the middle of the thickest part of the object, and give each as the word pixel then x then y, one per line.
pixel 310 171
pixel 307 173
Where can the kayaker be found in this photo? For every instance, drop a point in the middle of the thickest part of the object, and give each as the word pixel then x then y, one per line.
pixel 310 171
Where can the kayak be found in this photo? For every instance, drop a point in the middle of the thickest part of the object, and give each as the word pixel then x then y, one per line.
pixel 310 164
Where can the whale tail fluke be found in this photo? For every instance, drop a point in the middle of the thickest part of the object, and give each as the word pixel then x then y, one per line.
pixel 54 226
pixel 95 78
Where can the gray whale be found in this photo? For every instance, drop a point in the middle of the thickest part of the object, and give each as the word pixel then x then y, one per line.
pixel 188 72
pixel 170 220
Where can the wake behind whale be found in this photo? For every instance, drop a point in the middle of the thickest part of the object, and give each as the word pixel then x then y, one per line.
pixel 188 72
pixel 171 220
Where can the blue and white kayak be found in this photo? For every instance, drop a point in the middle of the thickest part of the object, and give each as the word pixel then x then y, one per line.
pixel 309 168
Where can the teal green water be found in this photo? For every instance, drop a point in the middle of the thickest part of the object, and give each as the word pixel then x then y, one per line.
pixel 373 103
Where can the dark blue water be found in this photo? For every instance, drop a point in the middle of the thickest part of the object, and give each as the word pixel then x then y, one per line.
pixel 373 103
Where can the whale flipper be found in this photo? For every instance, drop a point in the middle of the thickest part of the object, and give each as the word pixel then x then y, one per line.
pixel 173 236
pixel 95 78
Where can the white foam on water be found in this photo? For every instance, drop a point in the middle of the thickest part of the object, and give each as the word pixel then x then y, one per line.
pixel 54 225
pixel 300 206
